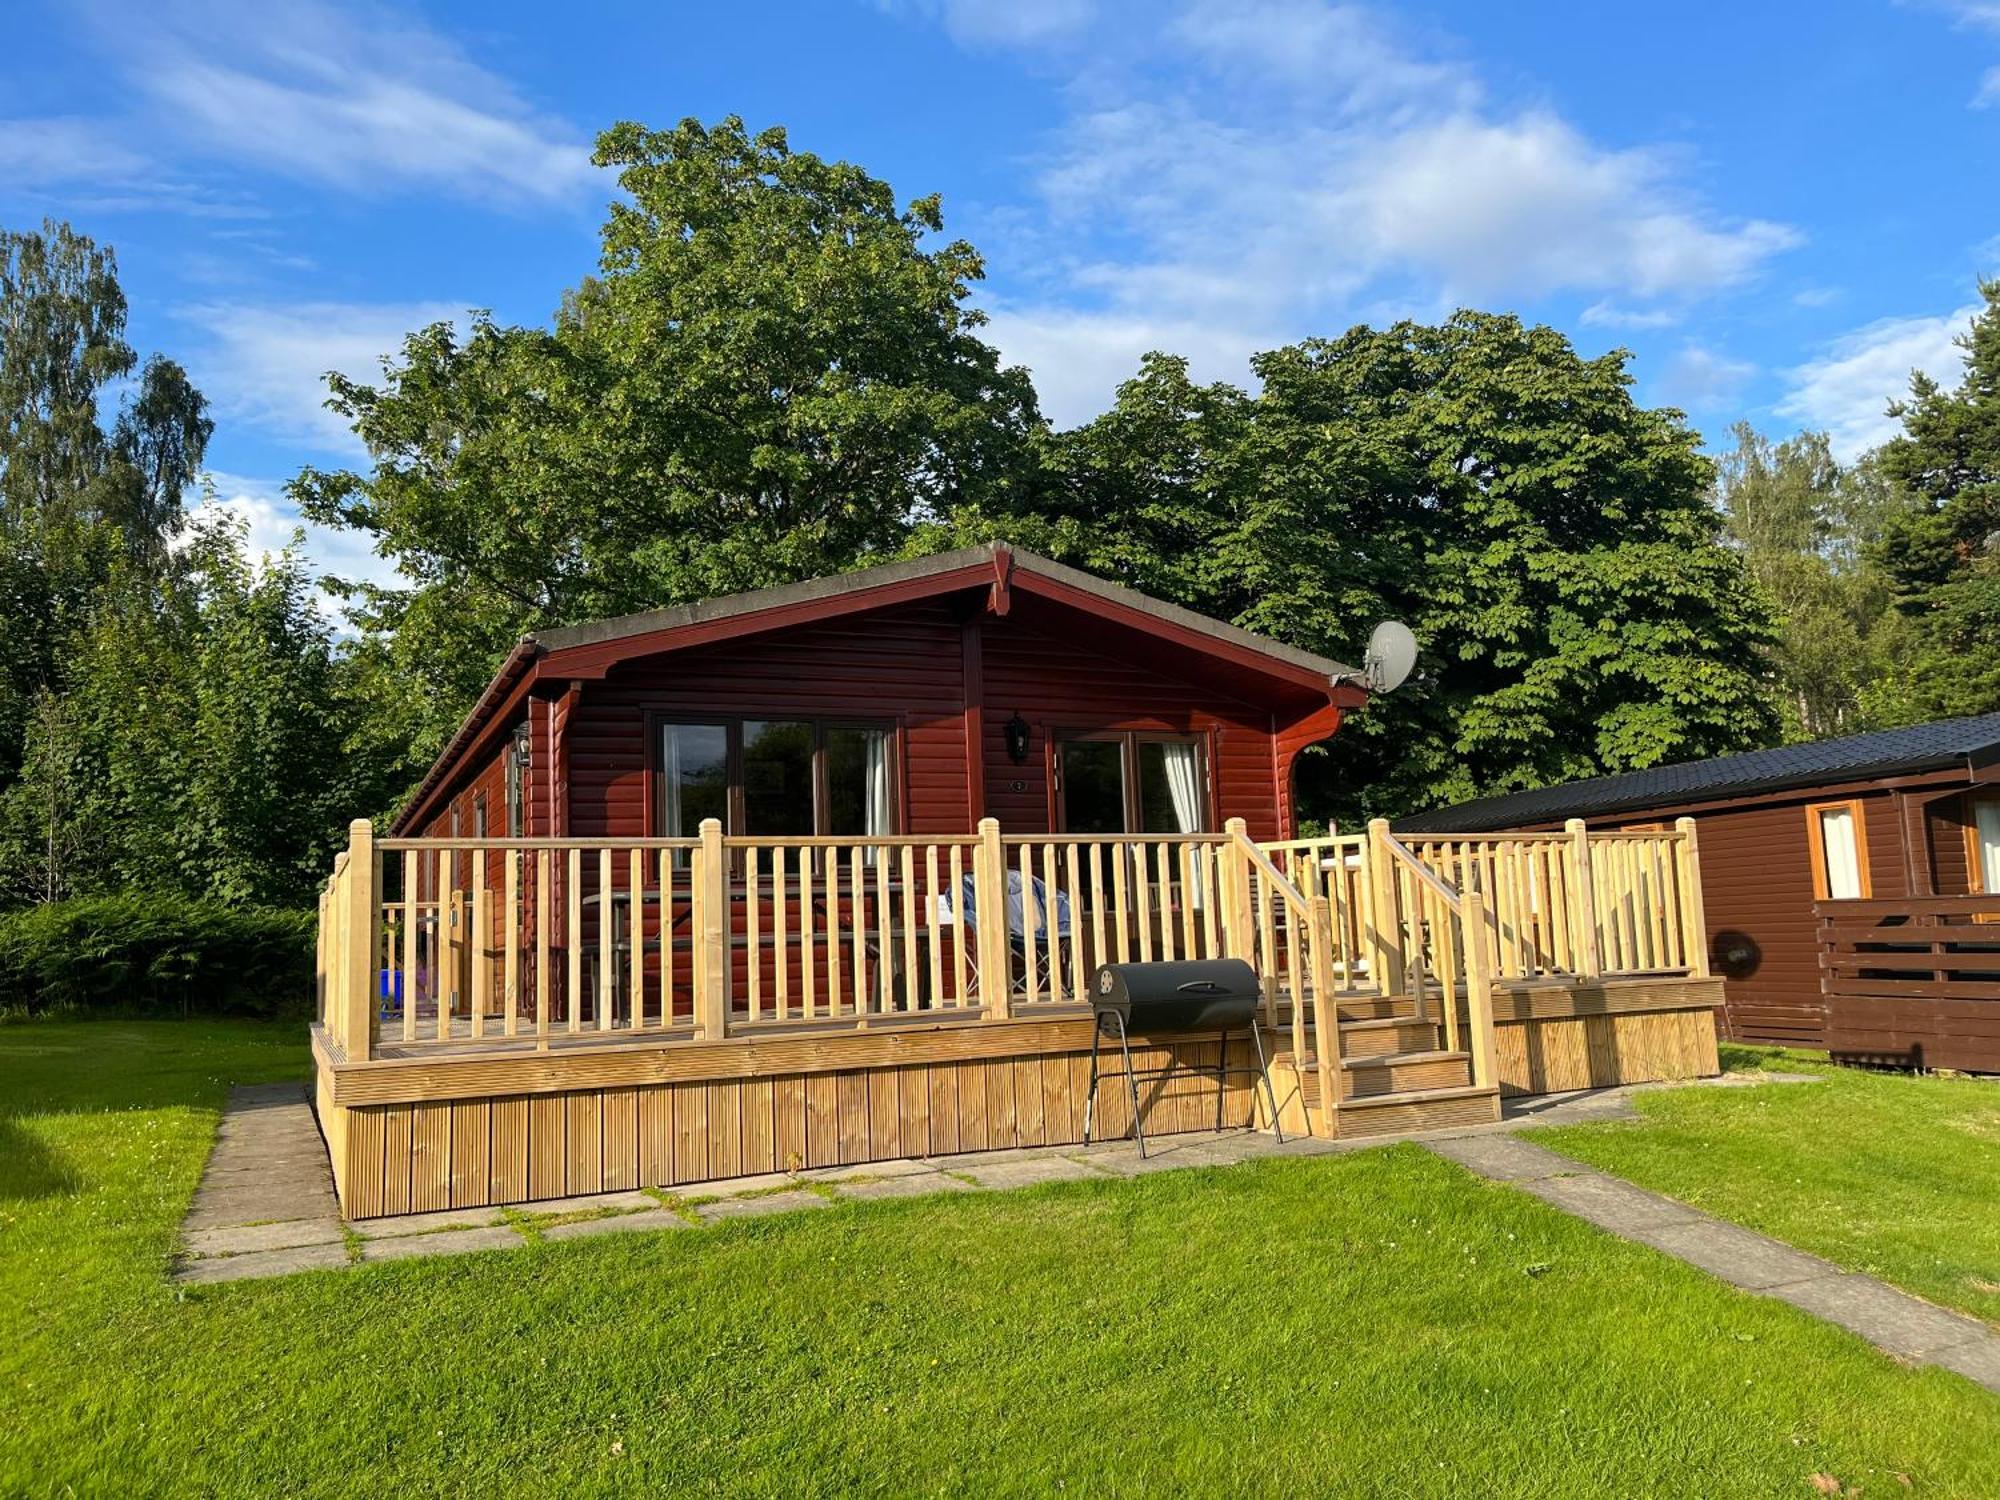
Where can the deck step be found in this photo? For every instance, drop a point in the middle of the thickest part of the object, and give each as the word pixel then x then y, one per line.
pixel 1379 1035
pixel 1426 1109
pixel 1404 1073
pixel 1376 1007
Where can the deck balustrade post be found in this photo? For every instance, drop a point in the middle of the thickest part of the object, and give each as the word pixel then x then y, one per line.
pixel 1240 935
pixel 1326 1017
pixel 989 903
pixel 1478 992
pixel 320 1008
pixel 360 929
pixel 1385 935
pixel 1583 895
pixel 1694 918
pixel 710 879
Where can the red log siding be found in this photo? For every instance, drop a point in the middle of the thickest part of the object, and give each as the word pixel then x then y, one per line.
pixel 907 665
pixel 1756 868
pixel 1059 686
pixel 1944 824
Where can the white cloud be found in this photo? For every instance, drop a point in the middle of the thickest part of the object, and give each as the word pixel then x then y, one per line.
pixel 1697 378
pixel 1252 172
pixel 1528 206
pixel 1610 315
pixel 1079 358
pixel 1847 390
pixel 38 153
pixel 364 100
pixel 270 521
pixel 267 365
pixel 1005 23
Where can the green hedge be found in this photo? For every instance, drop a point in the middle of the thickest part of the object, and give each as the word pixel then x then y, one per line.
pixel 137 954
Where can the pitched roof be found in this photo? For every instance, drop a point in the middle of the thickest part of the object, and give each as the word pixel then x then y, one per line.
pixel 1858 757
pixel 940 566
pixel 591 648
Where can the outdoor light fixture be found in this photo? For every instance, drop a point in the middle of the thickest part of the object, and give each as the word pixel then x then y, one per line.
pixel 521 746
pixel 1017 738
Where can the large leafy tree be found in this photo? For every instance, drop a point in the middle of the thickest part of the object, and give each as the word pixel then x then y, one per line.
pixel 774 375
pixel 1550 541
pixel 74 496
pixel 195 745
pixel 1806 526
pixel 1943 554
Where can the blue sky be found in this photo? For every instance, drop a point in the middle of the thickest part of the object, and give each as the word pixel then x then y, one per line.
pixel 1779 209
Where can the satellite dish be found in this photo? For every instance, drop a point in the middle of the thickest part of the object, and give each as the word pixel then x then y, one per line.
pixel 1392 651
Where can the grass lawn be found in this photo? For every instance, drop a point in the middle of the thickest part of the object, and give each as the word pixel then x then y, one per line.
pixel 1894 1175
pixel 1374 1323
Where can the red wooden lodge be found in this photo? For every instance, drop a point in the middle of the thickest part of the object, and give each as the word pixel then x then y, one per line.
pixel 696 893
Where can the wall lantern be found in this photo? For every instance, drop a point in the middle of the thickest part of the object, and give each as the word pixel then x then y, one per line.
pixel 1017 738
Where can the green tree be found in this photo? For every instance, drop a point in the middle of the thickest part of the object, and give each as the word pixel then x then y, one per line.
pixel 774 375
pixel 1550 542
pixel 1942 554
pixel 74 497
pixel 1806 526
pixel 196 747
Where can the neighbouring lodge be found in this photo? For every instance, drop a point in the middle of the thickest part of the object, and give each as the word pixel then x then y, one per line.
pixel 820 874
pixel 1851 886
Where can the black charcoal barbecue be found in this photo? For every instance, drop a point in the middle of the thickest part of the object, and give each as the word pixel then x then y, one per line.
pixel 1166 999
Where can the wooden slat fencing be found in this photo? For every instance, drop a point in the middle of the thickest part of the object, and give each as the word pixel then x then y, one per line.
pixel 1912 981
pixel 461 942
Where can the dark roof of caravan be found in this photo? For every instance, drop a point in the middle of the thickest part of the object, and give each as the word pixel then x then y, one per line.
pixel 1858 757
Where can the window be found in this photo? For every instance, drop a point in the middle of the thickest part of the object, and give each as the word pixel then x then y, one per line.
pixel 1131 783
pixel 694 777
pixel 479 815
pixel 776 778
pixel 857 780
pixel 517 779
pixel 1982 845
pixel 1836 838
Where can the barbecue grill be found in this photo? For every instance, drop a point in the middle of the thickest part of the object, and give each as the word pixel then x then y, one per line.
pixel 1165 999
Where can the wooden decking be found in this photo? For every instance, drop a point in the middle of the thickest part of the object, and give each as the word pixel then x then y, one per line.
pixel 506 1081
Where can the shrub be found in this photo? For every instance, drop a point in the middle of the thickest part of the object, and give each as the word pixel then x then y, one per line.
pixel 145 954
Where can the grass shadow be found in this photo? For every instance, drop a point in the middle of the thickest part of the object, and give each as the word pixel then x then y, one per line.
pixel 29 1168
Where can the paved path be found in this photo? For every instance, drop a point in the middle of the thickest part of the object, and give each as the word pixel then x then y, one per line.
pixel 1894 1321
pixel 265 1207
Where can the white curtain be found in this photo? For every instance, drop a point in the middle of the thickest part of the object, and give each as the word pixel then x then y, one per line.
pixel 1184 786
pixel 878 783
pixel 670 771
pixel 1837 835
pixel 1986 815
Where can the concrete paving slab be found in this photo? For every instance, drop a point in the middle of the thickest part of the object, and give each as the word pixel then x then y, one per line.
pixel 1609 1202
pixel 1503 1158
pixel 910 1168
pixel 585 1229
pixel 399 1225
pixel 905 1187
pixel 756 1208
pixel 1891 1320
pixel 1029 1172
pixel 237 1239
pixel 448 1242
pixel 624 1202
pixel 259 1206
pixel 1978 1361
pixel 1734 1254
pixel 263 1263
pixel 729 1187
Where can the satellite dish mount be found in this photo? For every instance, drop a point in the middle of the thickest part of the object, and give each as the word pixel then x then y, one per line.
pixel 1392 652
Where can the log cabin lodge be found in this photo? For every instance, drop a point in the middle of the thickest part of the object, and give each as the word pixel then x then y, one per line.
pixel 1850 885
pixel 820 874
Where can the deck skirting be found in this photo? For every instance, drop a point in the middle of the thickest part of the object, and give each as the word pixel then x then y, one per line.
pixel 466 1131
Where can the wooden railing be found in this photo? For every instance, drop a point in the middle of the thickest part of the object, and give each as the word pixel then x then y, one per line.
pixel 1291 939
pixel 1579 905
pixel 428 942
pixel 1447 945
pixel 1910 948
